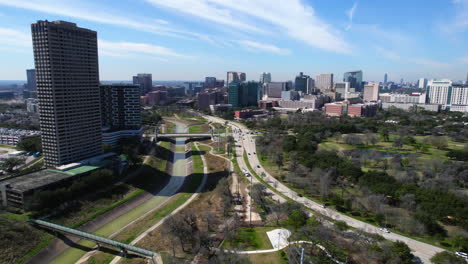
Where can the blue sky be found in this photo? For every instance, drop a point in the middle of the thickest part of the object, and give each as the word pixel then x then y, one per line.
pixel 191 39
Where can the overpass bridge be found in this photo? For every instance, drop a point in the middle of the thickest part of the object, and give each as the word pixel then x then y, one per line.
pixel 124 248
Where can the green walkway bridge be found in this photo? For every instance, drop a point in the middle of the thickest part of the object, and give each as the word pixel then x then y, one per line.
pixel 124 248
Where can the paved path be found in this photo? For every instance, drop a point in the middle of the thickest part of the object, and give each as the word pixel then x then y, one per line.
pixel 178 209
pixel 422 250
pixel 117 225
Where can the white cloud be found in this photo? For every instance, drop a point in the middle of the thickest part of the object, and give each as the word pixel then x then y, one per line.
pixel 257 46
pixel 350 14
pixel 92 13
pixel 125 49
pixel 394 56
pixel 15 38
pixel 292 18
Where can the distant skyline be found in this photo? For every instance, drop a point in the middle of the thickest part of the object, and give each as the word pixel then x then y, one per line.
pixel 192 39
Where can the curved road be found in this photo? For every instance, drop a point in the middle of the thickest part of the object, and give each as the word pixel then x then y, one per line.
pixel 420 249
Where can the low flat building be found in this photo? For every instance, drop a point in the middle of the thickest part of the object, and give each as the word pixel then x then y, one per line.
pixel 349 109
pixel 411 106
pixel 11 136
pixel 245 114
pixel 220 108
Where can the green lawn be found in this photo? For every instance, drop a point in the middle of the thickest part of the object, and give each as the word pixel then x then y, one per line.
pixel 195 129
pixel 250 239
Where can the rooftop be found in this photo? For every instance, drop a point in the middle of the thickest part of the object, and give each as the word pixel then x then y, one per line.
pixel 35 180
pixel 38 179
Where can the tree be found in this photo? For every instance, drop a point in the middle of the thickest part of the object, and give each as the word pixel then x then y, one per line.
pixel 325 182
pixel 398 142
pixel 30 144
pixel 439 142
pixel 372 139
pixel 402 252
pixel 297 218
pixel 445 257
pixel 384 134
pixel 278 159
pixel 10 163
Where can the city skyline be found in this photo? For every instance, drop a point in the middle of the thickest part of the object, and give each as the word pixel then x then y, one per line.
pixel 165 39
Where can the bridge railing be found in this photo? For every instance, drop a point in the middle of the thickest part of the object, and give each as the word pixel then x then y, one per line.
pixel 94 238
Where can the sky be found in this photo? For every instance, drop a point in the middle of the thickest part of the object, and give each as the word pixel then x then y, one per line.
pixel 192 39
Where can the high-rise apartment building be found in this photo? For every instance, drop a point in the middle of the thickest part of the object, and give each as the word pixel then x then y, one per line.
pixel 31 80
pixel 355 80
pixel 422 83
pixel 67 75
pixel 265 77
pixel 385 79
pixel 371 92
pixel 120 106
pixel 145 81
pixel 235 77
pixel 324 81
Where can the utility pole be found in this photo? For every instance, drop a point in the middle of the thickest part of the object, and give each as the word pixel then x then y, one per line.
pixel 302 255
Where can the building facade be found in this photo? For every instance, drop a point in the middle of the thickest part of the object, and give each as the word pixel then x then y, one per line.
pixel 145 81
pixel 422 83
pixel 67 75
pixel 120 106
pixel 371 92
pixel 301 83
pixel 439 92
pixel 274 89
pixel 342 89
pixel 324 81
pixel 243 94
pixel 210 82
pixel 355 80
pixel 235 77
pixel 31 80
pixel 265 77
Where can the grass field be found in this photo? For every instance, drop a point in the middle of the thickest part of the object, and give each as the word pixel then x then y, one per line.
pixel 250 238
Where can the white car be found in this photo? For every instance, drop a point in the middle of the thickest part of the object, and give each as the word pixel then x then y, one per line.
pixel 462 254
pixel 385 230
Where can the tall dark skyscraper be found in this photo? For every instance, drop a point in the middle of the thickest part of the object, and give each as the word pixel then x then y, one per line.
pixel 145 80
pixel 466 79
pixel 355 80
pixel 31 78
pixel 385 80
pixel 66 59
pixel 301 82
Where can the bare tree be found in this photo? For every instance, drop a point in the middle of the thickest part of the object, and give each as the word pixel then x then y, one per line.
pixel 325 182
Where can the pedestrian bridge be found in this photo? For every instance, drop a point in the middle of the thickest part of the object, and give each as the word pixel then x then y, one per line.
pixel 124 248
pixel 185 135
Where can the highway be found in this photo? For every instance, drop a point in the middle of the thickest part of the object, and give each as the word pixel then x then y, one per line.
pixel 421 250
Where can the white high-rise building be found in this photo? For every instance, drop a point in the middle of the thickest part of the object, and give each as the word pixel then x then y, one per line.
pixel 265 77
pixel 422 83
pixel 438 92
pixel 324 81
